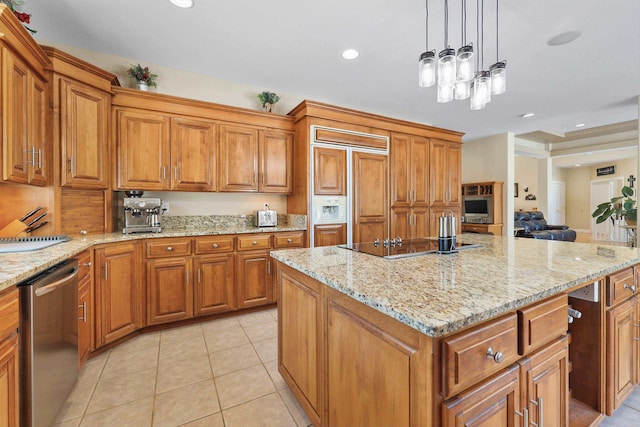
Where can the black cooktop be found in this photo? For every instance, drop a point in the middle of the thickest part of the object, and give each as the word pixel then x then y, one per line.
pixel 398 248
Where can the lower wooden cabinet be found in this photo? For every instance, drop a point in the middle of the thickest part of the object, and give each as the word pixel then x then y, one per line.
pixel 85 306
pixel 118 287
pixel 9 373
pixel 214 284
pixel 255 281
pixel 169 290
pixel 329 235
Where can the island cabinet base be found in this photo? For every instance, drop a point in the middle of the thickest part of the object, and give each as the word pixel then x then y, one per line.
pixel 347 364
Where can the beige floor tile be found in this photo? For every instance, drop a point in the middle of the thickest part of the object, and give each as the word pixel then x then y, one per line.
pixel 267 350
pixel 185 404
pixel 76 404
pixel 243 386
pixel 120 363
pixel 294 407
pixel 256 318
pixel 141 342
pixel 183 373
pixel 233 359
pixel 182 333
pixel 92 369
pixel 224 338
pixel 272 369
pixel 188 348
pixel 219 324
pixel 132 414
pixel 262 331
pixel 122 389
pixel 214 420
pixel 266 411
pixel 274 313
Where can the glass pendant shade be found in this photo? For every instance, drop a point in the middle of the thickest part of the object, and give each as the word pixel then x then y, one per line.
pixel 462 90
pixel 427 69
pixel 447 67
pixel 481 90
pixel 498 77
pixel 464 64
pixel 445 93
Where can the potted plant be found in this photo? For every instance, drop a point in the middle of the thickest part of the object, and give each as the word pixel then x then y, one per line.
pixel 268 100
pixel 618 207
pixel 143 77
pixel 25 18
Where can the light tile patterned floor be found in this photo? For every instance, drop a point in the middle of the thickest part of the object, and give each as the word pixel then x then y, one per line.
pixel 221 373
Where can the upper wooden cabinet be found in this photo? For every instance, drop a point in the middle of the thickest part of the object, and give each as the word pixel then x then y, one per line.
pixel 330 172
pixel 370 209
pixel 409 170
pixel 445 173
pixel 255 160
pixel 193 150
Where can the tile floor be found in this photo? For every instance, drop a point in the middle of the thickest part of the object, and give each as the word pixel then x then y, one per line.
pixel 628 415
pixel 221 373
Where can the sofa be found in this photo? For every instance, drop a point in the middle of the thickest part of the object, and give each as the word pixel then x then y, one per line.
pixel 533 225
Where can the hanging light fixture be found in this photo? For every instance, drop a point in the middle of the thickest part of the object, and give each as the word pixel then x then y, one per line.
pixel 427 62
pixel 499 69
pixel 456 75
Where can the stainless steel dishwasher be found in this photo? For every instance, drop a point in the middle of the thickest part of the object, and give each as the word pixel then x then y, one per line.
pixel 48 342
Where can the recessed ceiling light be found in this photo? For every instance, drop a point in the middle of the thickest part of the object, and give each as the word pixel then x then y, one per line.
pixel 185 4
pixel 579 125
pixel 577 165
pixel 527 115
pixel 564 38
pixel 350 54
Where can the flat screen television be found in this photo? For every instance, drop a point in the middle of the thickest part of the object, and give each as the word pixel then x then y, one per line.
pixel 478 209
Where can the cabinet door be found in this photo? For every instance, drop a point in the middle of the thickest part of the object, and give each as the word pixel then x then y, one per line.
pixel 400 222
pixel 85 315
pixel 169 290
pixel 621 353
pixel 454 164
pixel 193 154
pixel 237 159
pixel 400 164
pixel 545 385
pixel 214 284
pixel 84 116
pixel 9 382
pixel 370 206
pixel 444 169
pixel 419 170
pixel 143 150
pixel 329 234
pixel 276 162
pixel 39 152
pixel 15 119
pixel 420 222
pixel 493 403
pixel 436 213
pixel 118 291
pixel 329 172
pixel 254 280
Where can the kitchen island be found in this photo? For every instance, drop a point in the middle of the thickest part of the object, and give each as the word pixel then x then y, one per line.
pixel 437 340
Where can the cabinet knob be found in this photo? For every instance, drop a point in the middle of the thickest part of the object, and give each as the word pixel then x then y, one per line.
pixel 254 243
pixel 83 232
pixel 215 246
pixel 169 248
pixel 87 264
pixel 289 240
pixel 632 287
pixel 496 356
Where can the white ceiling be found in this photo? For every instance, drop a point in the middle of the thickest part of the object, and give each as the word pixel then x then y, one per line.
pixel 294 46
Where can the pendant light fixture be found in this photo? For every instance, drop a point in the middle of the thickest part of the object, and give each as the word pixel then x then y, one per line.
pixel 427 62
pixel 481 86
pixel 464 60
pixel 499 69
pixel 446 63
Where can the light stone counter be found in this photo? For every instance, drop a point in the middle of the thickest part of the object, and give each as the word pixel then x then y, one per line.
pixel 17 266
pixel 440 294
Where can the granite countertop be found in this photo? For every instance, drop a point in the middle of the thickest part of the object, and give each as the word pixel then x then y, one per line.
pixel 17 266
pixel 440 294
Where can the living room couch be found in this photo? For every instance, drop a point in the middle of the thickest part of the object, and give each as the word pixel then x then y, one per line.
pixel 533 225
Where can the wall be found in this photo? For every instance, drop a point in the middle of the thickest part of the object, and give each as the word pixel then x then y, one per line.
pixel 526 175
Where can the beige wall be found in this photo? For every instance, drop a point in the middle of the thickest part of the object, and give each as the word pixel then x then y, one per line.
pixel 526 175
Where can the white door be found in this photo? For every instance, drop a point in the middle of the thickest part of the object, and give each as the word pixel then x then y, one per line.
pixel 602 191
pixel 557 204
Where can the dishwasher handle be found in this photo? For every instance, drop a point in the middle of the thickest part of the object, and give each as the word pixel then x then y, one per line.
pixel 57 284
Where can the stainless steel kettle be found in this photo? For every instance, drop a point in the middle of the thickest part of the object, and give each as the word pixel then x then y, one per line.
pixel 447 232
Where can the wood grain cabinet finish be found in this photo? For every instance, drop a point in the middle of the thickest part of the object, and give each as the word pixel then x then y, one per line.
pixel 193 154
pixel 329 234
pixel 445 163
pixel 330 172
pixel 436 212
pixel 620 286
pixel 214 287
pixel 370 197
pixel 540 323
pixel 409 156
pixel 9 372
pixel 255 285
pixel 118 282
pixel 85 306
pixel 84 133
pixel 169 290
pixel 276 161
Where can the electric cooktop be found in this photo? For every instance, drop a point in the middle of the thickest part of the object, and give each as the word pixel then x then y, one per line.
pixel 398 248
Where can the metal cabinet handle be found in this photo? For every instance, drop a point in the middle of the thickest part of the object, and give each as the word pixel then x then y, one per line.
pixel 164 173
pixel 169 248
pixel 39 157
pixel 83 306
pixel 215 246
pixel 268 267
pixel 199 276
pixel 254 243
pixel 69 163
pixel 33 156
pixel 632 287
pixel 525 417
pixel 498 357
pixel 106 276
pixel 289 240
pixel 187 277
pixel 176 172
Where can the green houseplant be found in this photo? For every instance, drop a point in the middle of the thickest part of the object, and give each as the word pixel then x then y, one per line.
pixel 268 100
pixel 624 206
pixel 142 75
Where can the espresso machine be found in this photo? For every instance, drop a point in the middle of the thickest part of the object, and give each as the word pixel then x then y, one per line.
pixel 142 215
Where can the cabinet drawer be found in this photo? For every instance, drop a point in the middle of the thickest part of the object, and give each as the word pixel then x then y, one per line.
pixel 254 241
pixel 620 286
pixel 161 248
pixel 288 240
pixel 473 355
pixel 541 323
pixel 84 264
pixel 8 312
pixel 214 244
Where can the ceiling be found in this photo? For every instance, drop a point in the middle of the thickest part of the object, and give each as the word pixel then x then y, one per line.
pixel 294 47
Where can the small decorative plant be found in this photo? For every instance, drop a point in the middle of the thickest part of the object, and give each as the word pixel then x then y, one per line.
pixel 624 206
pixel 268 100
pixel 25 18
pixel 142 75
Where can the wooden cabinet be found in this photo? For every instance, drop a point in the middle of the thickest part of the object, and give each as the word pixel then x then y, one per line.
pixel 495 229
pixel 329 234
pixel 214 266
pixel 255 281
pixel 436 212
pixel 85 307
pixel 255 160
pixel 9 372
pixel 193 154
pixel 409 170
pixel 169 290
pixel 444 172
pixel 370 197
pixel 25 147
pixel 118 291
pixel 329 172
